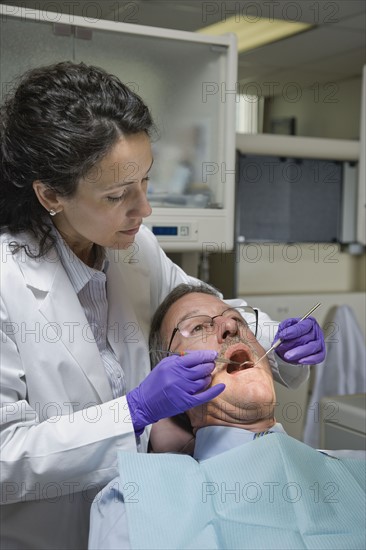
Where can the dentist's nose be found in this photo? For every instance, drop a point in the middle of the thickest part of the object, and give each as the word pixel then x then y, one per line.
pixel 145 208
pixel 141 207
pixel 226 327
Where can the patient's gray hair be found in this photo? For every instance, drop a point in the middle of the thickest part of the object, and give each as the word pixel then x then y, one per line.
pixel 156 341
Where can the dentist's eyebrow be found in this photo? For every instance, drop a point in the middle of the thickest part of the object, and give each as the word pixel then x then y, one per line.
pixel 117 185
pixel 127 181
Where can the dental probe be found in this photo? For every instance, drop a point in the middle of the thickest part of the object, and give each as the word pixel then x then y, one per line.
pixel 183 353
pixel 279 341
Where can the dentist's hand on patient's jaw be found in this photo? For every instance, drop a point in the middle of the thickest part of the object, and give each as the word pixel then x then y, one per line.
pixel 302 343
pixel 175 385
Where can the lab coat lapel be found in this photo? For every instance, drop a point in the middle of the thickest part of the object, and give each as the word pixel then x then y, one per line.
pixel 129 315
pixel 59 305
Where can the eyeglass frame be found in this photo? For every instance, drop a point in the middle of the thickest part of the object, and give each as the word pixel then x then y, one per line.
pixel 176 329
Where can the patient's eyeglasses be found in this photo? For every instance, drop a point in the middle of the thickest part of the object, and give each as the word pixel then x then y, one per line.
pixel 201 326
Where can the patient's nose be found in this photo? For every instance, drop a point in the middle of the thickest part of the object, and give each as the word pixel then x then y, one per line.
pixel 226 327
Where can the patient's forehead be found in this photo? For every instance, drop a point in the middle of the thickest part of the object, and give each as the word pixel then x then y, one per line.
pixel 195 303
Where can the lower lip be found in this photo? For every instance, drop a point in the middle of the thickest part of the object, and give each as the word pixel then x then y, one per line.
pixel 130 232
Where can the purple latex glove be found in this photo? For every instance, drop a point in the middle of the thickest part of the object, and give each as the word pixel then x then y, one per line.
pixel 302 343
pixel 175 385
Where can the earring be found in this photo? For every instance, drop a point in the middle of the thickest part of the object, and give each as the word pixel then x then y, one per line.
pixel 52 212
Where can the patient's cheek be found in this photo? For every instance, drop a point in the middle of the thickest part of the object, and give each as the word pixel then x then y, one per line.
pixel 259 349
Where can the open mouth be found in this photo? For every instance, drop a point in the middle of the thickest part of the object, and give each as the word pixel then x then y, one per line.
pixel 238 357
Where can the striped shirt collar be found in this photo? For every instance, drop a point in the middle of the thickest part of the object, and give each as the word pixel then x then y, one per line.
pixel 214 440
pixel 78 272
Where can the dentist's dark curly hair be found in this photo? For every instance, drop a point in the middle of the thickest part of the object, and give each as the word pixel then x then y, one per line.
pixel 58 123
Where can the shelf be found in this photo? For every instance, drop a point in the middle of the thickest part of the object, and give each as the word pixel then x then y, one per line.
pixel 298 147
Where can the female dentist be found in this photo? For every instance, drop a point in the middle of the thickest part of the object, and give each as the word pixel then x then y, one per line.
pixel 80 279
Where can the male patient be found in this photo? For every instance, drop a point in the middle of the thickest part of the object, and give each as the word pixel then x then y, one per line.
pixel 272 492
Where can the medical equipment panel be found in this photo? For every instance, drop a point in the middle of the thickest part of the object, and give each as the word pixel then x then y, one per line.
pixel 285 199
pixel 189 82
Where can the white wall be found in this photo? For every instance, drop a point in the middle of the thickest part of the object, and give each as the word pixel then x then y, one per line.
pixel 279 268
pixel 330 110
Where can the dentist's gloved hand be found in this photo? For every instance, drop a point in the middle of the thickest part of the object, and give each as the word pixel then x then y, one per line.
pixel 175 385
pixel 302 343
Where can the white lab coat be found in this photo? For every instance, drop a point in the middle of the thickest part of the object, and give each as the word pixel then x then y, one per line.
pixel 60 425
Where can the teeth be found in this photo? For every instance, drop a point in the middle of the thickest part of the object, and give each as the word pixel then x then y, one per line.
pixel 237 368
pixel 239 356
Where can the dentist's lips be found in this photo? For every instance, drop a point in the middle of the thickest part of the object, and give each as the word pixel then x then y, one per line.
pixel 131 231
pixel 238 354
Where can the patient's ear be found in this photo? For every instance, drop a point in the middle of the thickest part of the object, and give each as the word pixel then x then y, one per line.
pixel 172 435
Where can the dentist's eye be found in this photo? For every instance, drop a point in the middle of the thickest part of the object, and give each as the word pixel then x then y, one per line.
pixel 117 199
